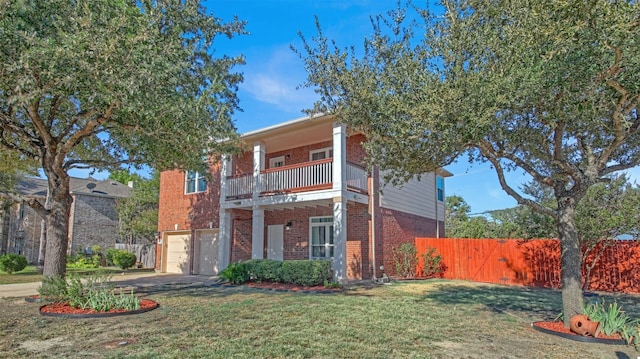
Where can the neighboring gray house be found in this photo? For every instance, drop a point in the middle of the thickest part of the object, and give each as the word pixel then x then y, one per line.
pixel 93 219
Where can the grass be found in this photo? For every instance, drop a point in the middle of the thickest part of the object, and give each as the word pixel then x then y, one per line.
pixel 420 319
pixel 30 274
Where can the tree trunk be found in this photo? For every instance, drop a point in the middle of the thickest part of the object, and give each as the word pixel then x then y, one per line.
pixel 572 300
pixel 55 260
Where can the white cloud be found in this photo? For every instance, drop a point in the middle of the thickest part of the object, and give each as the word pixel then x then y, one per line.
pixel 274 77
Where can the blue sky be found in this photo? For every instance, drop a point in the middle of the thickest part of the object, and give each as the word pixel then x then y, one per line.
pixel 273 71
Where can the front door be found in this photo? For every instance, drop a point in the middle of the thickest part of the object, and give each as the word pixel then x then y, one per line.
pixel 207 252
pixel 275 241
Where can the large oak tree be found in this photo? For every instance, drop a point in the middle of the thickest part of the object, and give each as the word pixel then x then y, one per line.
pixel 550 88
pixel 100 83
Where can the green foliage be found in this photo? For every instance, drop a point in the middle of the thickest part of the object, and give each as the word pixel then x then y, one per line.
pixel 138 214
pixel 550 89
pixel 405 259
pixel 432 263
pixel 106 83
pixel 124 259
pixel 12 263
pixel 306 272
pixel 80 261
pixel 264 270
pixel 53 289
pixel 613 320
pixel 235 273
pixel 300 272
pixel 94 292
pixel 109 256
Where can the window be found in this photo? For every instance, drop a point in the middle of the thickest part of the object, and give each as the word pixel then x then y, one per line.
pixel 321 229
pixel 320 154
pixel 440 186
pixel 276 162
pixel 195 182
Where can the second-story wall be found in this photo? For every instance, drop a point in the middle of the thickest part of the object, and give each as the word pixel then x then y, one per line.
pixel 188 211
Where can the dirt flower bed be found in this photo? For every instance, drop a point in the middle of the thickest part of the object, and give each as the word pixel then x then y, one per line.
pixel 292 287
pixel 558 328
pixel 63 308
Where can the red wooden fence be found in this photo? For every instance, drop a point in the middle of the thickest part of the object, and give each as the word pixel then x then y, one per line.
pixel 533 262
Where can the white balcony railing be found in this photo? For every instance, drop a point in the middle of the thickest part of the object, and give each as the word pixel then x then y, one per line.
pixel 310 175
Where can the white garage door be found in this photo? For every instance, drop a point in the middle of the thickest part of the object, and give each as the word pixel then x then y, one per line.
pixel 206 252
pixel 178 253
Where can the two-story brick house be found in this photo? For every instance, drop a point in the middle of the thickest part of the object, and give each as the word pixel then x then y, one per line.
pixel 93 219
pixel 301 193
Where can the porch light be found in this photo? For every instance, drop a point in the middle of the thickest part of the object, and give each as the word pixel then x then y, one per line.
pixel 288 225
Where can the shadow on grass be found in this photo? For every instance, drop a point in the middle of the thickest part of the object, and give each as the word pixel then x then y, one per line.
pixel 536 303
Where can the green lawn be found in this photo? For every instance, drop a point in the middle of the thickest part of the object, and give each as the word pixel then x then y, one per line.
pixel 419 319
pixel 30 274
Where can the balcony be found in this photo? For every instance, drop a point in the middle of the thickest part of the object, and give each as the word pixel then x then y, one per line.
pixel 309 176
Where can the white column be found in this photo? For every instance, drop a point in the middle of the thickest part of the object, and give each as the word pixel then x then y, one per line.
pixel 339 157
pixel 257 234
pixel 339 203
pixel 258 166
pixel 224 225
pixel 339 239
pixel 224 239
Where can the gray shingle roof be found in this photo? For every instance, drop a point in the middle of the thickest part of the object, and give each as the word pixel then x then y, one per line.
pixel 37 187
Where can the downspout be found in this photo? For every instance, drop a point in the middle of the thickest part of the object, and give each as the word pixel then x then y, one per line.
pixel 435 186
pixel 373 225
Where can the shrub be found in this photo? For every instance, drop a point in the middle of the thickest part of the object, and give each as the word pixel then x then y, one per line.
pixel 12 262
pixel 81 262
pixel 109 256
pixel 306 272
pixel 53 289
pixel 264 270
pixel 432 263
pixel 405 259
pixel 124 259
pixel 235 273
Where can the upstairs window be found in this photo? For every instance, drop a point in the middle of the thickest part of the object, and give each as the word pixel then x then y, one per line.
pixel 276 162
pixel 195 182
pixel 320 154
pixel 440 186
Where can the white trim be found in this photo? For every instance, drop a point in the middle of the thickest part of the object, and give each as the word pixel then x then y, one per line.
pixel 328 231
pixel 196 180
pixel 274 160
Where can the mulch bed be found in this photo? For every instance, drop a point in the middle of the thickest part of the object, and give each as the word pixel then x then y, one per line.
pixel 63 309
pixel 282 287
pixel 557 328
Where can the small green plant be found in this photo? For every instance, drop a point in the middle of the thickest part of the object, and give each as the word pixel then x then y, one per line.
pixel 613 320
pixel 332 284
pixel 124 259
pixel 53 289
pixel 12 263
pixel 94 292
pixel 235 273
pixel 405 259
pixel 432 263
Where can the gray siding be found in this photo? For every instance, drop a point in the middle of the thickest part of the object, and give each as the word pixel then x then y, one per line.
pixel 417 197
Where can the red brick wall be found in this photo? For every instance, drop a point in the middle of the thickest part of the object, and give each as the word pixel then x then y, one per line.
pixel 296 239
pixel 242 226
pixel 358 245
pixel 399 227
pixel 188 211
